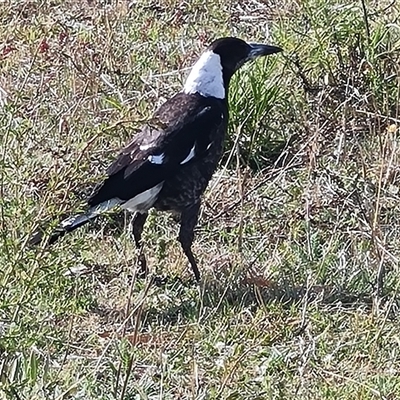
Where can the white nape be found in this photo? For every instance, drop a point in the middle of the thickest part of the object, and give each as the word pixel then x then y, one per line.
pixel 143 201
pixel 189 156
pixel 156 159
pixel 206 77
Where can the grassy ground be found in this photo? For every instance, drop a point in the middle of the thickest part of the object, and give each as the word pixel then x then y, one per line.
pixel 299 236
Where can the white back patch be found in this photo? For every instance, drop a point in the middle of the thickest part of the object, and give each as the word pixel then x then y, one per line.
pixel 206 77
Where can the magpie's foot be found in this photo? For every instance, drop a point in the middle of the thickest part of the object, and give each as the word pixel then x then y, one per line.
pixel 160 281
pixel 185 282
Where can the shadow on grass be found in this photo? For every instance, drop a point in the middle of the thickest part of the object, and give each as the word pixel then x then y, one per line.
pixel 191 302
pixel 172 300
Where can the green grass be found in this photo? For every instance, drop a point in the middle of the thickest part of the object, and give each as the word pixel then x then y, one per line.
pixel 297 228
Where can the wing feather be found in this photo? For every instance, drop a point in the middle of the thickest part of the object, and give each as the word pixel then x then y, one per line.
pixel 177 130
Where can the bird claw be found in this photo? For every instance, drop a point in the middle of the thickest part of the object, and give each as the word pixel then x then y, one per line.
pixel 143 270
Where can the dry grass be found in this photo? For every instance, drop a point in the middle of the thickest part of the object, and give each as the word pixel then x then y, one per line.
pixel 298 241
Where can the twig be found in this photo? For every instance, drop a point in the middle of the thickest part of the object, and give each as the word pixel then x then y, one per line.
pixel 365 15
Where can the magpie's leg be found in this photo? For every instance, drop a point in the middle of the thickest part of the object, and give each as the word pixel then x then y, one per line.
pixel 188 222
pixel 137 228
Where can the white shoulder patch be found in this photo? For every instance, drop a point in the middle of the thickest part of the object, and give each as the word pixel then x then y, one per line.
pixel 189 156
pixel 206 77
pixel 156 158
pixel 144 147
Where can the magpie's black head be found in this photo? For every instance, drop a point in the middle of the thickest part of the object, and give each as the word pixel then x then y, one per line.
pixel 235 52
pixel 211 74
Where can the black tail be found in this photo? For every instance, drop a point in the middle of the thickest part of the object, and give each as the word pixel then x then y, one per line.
pixel 71 223
pixel 66 226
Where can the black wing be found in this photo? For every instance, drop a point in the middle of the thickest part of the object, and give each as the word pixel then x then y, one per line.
pixel 181 131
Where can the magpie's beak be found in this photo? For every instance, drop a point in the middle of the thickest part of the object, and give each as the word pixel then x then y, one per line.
pixel 259 50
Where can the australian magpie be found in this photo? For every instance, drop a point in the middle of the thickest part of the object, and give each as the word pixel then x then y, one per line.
pixel 169 163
